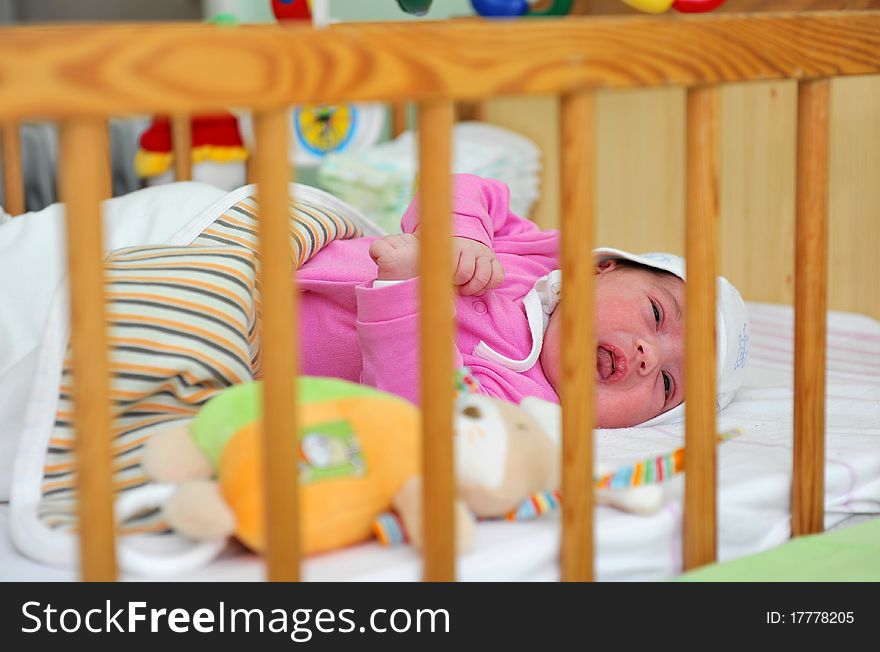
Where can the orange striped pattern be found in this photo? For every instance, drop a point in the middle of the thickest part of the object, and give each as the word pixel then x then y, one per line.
pixel 183 325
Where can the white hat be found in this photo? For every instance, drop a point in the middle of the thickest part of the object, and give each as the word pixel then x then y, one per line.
pixel 731 325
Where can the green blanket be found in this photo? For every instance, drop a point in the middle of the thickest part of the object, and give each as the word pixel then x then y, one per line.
pixel 848 555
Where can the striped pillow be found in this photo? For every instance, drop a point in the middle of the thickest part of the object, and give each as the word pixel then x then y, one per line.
pixel 183 324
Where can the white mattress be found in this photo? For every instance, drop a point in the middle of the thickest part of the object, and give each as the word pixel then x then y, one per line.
pixel 754 480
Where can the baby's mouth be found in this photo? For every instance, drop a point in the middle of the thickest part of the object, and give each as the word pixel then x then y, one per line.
pixel 605 363
pixel 610 363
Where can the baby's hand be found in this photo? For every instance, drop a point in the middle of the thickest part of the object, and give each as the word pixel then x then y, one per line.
pixel 476 269
pixel 396 256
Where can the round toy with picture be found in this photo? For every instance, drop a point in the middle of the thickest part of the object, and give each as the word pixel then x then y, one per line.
pixel 321 129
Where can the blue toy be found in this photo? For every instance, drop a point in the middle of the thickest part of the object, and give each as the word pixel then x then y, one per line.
pixel 519 8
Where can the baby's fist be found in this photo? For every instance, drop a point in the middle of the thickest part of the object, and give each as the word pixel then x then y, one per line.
pixel 396 256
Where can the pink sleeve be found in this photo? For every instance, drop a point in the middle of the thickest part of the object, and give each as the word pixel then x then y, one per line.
pixel 388 332
pixel 480 211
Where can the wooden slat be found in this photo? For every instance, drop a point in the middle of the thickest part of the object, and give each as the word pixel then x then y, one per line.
pixel 399 118
pixel 578 136
pixel 181 137
pixel 435 267
pixel 105 174
pixel 701 249
pixel 57 72
pixel 280 347
pixel 13 182
pixel 470 111
pixel 810 283
pixel 81 153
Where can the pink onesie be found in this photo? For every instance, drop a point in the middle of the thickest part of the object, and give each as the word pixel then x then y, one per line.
pixel 369 335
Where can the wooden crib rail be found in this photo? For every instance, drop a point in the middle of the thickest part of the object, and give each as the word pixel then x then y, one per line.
pixel 811 281
pixel 83 151
pixel 64 72
pixel 13 183
pixel 280 359
pixel 701 251
pixel 578 136
pixel 181 139
pixel 81 75
pixel 436 337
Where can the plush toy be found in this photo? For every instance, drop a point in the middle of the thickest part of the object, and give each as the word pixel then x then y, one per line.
pixel 357 449
pixel 219 155
pixel 359 453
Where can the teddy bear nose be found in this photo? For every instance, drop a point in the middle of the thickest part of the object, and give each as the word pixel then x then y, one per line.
pixel 472 412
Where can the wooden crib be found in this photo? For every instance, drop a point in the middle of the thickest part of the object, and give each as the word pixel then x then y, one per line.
pixel 80 76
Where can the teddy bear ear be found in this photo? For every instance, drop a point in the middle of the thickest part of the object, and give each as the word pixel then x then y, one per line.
pixel 547 414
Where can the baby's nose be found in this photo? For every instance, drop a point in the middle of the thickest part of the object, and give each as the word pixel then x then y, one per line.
pixel 646 356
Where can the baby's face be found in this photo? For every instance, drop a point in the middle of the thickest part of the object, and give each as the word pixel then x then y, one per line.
pixel 639 345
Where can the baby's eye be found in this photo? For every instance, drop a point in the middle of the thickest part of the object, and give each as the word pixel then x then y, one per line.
pixel 667 384
pixel 656 313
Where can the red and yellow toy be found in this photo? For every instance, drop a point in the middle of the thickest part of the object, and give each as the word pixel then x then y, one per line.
pixel 292 9
pixel 218 153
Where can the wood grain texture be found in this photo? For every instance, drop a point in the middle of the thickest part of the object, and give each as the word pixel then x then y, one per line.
pixel 578 124
pixel 13 181
pixel 701 249
pixel 757 194
pixel 280 352
pixel 854 196
pixel 641 169
pixel 810 283
pixel 436 338
pixel 81 153
pixel 60 72
pixel 181 138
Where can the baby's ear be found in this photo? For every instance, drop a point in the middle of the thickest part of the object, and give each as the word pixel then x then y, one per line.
pixel 606 265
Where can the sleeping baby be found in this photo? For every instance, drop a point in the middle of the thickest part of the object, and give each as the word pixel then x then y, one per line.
pixel 360 316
